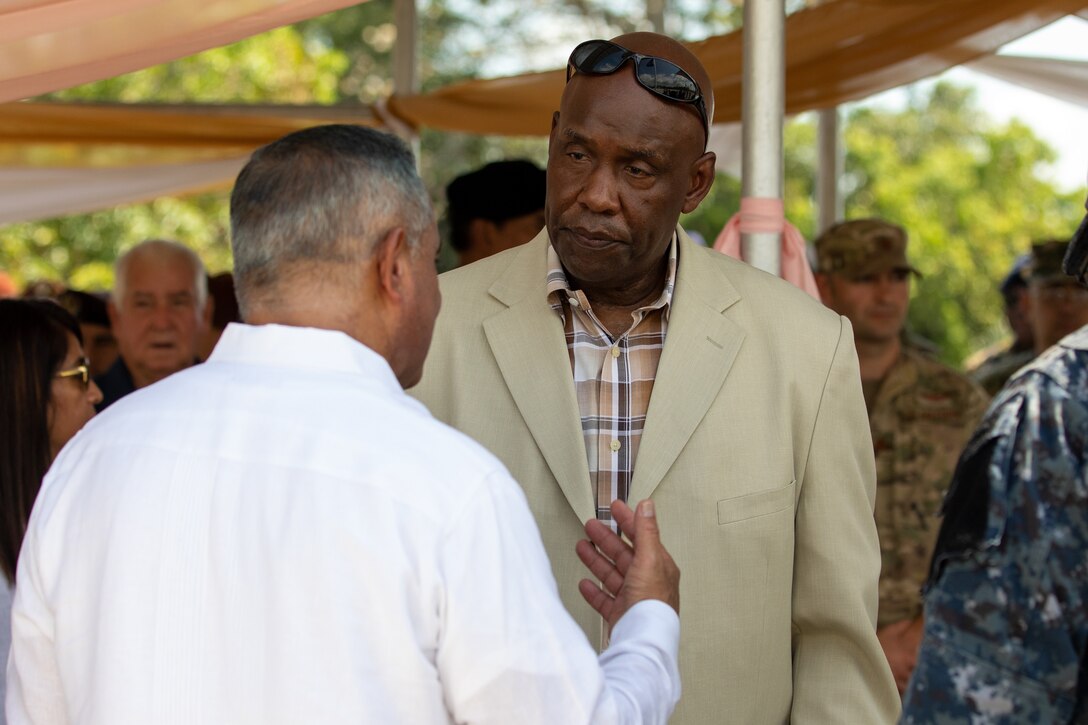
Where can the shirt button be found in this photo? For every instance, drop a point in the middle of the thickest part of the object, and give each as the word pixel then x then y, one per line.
pixel 574 302
pixel 615 352
pixel 615 445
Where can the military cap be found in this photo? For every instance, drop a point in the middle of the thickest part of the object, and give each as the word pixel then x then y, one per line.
pixel 1046 259
pixel 862 246
pixel 1018 274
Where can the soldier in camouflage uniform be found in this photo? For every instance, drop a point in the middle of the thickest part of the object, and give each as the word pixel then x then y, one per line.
pixel 1006 612
pixel 994 371
pixel 921 414
pixel 1059 305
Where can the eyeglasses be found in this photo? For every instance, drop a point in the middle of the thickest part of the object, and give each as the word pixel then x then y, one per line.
pixel 659 76
pixel 83 371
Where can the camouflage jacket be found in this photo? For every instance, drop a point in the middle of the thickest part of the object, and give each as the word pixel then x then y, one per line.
pixel 1006 608
pixel 922 417
pixel 996 370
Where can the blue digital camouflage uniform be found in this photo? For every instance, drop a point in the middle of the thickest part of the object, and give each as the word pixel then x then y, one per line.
pixel 1006 608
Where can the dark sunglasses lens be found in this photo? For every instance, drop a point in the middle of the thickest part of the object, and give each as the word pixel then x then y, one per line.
pixel 598 56
pixel 667 79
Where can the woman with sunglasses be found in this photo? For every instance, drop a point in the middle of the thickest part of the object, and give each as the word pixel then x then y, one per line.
pixel 46 396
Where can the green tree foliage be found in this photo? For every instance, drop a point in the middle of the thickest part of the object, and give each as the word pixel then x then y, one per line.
pixel 968 191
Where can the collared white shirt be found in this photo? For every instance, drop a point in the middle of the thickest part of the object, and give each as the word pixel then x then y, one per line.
pixel 281 535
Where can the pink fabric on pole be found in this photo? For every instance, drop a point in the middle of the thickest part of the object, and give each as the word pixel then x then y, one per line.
pixel 768 215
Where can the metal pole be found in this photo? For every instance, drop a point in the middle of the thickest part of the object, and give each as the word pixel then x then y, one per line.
pixel 829 165
pixel 763 108
pixel 655 13
pixel 405 55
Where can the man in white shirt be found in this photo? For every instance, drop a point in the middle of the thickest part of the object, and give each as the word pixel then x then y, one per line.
pixel 281 535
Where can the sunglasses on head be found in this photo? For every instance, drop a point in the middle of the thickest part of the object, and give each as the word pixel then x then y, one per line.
pixel 81 371
pixel 659 76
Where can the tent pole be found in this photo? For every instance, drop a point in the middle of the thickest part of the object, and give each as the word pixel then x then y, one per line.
pixel 406 55
pixel 763 107
pixel 829 165
pixel 655 13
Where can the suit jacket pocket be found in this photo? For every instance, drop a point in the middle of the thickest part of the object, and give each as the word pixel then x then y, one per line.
pixel 749 506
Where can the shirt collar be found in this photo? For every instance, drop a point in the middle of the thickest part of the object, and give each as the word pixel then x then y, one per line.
pixel 302 348
pixel 558 287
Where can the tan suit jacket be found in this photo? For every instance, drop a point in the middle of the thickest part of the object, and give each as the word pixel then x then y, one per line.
pixel 756 449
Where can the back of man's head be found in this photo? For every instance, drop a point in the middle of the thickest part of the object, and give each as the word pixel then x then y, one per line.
pixel 498 192
pixel 318 200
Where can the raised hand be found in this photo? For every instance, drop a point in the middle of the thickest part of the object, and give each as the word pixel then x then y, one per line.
pixel 628 573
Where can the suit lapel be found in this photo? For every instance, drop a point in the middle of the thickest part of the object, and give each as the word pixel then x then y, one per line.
pixel 700 346
pixel 531 352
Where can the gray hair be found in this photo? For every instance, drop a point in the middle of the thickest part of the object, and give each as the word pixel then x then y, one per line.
pixel 159 249
pixel 326 194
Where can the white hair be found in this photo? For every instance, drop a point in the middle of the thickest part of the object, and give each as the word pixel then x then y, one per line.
pixel 159 249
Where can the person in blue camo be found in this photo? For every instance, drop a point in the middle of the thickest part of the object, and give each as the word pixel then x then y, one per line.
pixel 1006 606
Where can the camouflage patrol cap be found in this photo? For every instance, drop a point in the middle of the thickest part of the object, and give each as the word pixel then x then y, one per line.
pixel 862 246
pixel 1046 259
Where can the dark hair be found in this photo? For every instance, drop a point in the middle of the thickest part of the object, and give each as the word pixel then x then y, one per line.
pixel 323 194
pixel 33 345
pixel 498 192
pixel 1016 280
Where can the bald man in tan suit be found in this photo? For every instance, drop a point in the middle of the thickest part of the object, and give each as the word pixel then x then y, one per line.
pixel 611 357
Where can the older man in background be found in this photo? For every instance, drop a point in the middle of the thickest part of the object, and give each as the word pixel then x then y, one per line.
pixel 158 312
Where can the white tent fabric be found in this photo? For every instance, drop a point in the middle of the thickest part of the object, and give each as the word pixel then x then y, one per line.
pixel 31 194
pixel 1064 79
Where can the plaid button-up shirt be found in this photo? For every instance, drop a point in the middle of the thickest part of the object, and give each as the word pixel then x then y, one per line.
pixel 613 379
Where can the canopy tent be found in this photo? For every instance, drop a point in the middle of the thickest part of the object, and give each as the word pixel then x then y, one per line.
pixel 119 154
pixel 839 51
pixel 46 45
pixel 1064 79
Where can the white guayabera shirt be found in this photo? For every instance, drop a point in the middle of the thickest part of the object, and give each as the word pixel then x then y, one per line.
pixel 281 535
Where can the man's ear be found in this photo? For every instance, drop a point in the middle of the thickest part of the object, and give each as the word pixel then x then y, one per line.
pixel 702 178
pixel 111 312
pixel 391 265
